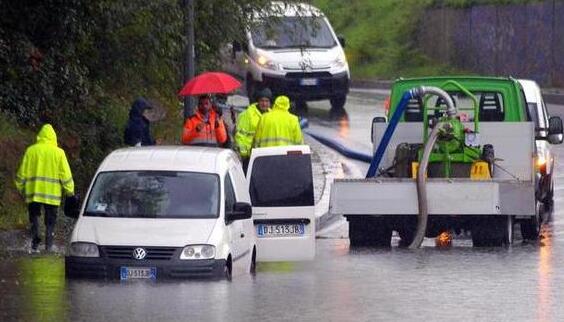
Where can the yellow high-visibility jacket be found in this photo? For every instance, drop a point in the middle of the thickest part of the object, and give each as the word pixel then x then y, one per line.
pixel 44 172
pixel 246 128
pixel 278 127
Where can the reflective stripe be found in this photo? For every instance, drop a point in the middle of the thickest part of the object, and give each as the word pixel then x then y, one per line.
pixel 44 179
pixel 275 140
pixel 67 181
pixel 43 195
pixel 246 132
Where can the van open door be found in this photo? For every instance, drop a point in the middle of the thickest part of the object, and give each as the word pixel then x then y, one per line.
pixel 281 188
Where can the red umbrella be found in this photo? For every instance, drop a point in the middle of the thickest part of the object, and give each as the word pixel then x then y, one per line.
pixel 210 83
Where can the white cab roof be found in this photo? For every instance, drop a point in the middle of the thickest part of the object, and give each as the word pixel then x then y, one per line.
pixel 169 158
pixel 532 91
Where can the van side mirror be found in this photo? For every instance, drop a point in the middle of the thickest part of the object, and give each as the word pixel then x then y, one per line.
pixel 241 210
pixel 342 41
pixel 72 206
pixel 555 130
pixel 376 119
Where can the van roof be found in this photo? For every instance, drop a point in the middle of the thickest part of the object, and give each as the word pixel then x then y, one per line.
pixel 169 158
pixel 280 9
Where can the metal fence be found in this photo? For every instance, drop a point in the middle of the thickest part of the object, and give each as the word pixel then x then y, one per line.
pixel 525 41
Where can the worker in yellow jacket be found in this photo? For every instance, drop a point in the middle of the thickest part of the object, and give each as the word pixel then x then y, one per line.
pixel 247 124
pixel 278 127
pixel 43 176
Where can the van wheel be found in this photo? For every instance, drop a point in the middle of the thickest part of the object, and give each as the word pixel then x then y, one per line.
pixel 227 269
pixel 253 269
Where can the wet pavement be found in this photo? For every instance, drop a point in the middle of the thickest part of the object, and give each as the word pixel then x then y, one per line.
pixel 519 283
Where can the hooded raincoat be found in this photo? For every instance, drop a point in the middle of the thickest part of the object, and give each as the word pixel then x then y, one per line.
pixel 278 127
pixel 246 128
pixel 137 130
pixel 44 173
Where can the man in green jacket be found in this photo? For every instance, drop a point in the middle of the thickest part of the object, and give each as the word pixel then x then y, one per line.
pixel 278 127
pixel 43 176
pixel 247 124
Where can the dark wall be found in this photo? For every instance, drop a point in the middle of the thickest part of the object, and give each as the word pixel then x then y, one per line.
pixel 525 41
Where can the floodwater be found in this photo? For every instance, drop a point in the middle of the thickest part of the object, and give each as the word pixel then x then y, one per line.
pixel 524 282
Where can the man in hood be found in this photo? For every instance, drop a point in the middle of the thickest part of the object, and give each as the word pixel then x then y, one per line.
pixel 278 127
pixel 247 124
pixel 137 131
pixel 43 177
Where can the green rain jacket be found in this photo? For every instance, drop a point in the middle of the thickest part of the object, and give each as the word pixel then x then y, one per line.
pixel 278 127
pixel 44 172
pixel 246 128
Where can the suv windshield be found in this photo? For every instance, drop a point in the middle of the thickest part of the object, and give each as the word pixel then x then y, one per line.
pixel 297 32
pixel 154 194
pixel 282 181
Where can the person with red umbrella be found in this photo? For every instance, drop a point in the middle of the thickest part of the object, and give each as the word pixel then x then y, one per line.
pixel 205 127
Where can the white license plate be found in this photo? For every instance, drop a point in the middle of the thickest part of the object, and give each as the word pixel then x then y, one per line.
pixel 280 230
pixel 127 273
pixel 308 81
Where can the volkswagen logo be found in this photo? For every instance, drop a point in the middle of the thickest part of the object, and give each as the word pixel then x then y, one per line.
pixel 139 253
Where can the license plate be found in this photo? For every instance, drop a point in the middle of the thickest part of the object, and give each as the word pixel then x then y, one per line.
pixel 308 81
pixel 127 273
pixel 280 230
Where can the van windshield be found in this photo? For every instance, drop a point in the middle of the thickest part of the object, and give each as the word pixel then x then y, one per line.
pixel 282 181
pixel 293 32
pixel 154 194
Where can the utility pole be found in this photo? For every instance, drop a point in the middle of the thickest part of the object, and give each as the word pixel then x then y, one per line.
pixel 190 59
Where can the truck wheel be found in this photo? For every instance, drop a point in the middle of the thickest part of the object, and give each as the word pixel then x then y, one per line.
pixel 227 269
pixel 369 231
pixel 492 231
pixel 530 228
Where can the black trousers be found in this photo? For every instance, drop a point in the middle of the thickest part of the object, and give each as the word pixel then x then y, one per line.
pixel 34 209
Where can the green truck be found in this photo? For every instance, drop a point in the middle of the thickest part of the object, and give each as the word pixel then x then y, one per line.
pixel 479 172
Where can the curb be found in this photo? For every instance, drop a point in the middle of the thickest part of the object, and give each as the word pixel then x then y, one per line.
pixel 551 96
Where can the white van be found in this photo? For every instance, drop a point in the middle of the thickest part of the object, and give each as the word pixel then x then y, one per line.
pixel 295 52
pixel 281 188
pixel 165 212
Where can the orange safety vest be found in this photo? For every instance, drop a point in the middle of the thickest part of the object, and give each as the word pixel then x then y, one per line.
pixel 199 132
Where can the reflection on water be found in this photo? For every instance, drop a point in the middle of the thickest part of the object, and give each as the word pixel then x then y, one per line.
pixel 544 300
pixel 42 287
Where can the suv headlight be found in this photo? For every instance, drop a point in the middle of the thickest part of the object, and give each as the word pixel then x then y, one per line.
pixel 80 249
pixel 198 252
pixel 268 64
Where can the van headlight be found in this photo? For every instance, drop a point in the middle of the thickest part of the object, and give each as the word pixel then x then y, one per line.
pixel 80 249
pixel 198 252
pixel 268 64
pixel 339 62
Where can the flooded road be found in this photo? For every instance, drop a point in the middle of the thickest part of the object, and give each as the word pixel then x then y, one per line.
pixel 522 283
